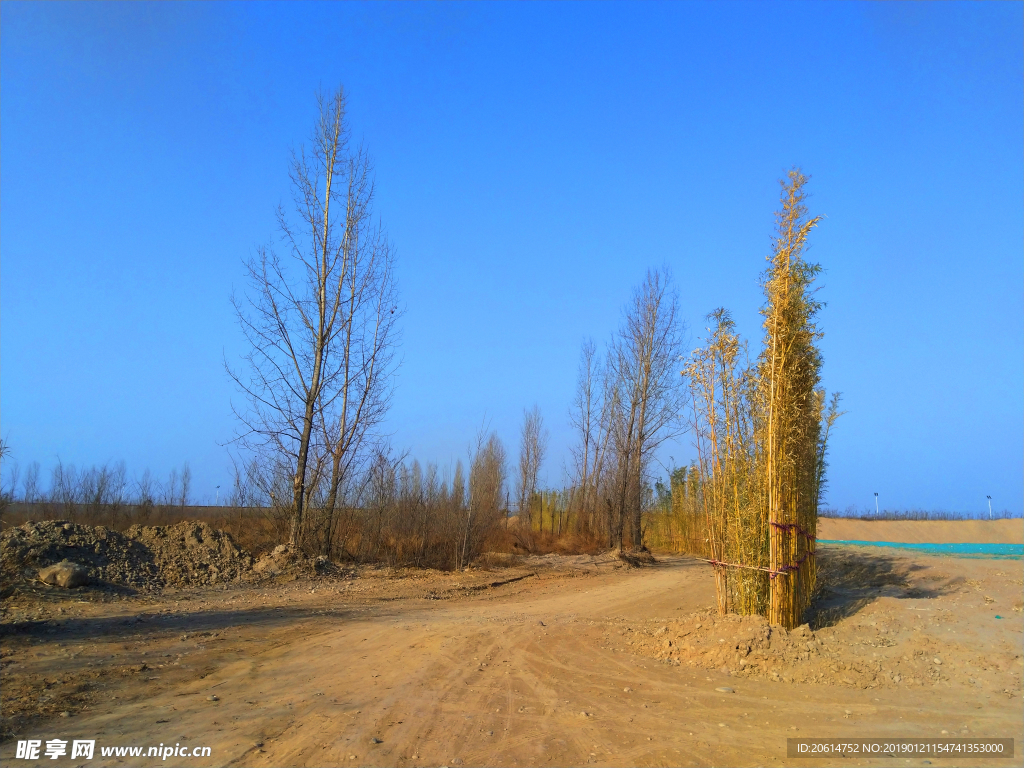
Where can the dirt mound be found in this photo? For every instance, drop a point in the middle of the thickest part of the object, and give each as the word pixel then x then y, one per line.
pixel 107 555
pixel 747 646
pixel 192 554
pixel 635 558
pixel 284 560
pixel 186 554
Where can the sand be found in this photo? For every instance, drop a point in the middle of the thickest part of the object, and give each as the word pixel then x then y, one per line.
pixel 566 666
pixel 923 531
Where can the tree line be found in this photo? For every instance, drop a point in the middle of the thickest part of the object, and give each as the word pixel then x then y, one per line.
pixel 320 315
pixel 100 493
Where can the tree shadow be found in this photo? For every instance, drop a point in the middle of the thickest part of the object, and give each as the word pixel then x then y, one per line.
pixel 849 579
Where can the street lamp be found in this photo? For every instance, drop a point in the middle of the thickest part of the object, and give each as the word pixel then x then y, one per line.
pixel 876 503
pixel 989 507
pixel 218 496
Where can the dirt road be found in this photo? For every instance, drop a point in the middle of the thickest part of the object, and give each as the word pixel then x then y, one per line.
pixel 417 670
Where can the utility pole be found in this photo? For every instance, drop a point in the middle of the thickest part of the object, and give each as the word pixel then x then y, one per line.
pixel 876 503
pixel 217 503
pixel 989 507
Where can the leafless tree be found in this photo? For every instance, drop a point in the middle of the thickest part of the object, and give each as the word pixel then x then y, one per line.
pixel 589 417
pixel 486 493
pixel 532 447
pixel 64 488
pixel 185 489
pixel 320 324
pixel 147 491
pixel 30 486
pixel 7 492
pixel 172 491
pixel 358 385
pixel 644 359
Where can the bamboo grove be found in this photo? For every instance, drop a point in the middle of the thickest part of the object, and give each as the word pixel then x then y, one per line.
pixel 761 429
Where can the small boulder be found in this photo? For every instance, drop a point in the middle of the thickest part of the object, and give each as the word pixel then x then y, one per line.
pixel 65 574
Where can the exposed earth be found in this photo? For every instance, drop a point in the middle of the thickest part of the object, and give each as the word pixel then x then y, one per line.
pixel 550 660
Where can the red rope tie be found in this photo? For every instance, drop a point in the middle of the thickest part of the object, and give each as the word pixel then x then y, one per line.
pixel 718 563
pixel 787 527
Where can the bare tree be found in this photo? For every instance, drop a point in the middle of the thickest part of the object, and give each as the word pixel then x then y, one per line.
pixel 30 486
pixel 532 447
pixel 358 385
pixel 319 324
pixel 172 491
pixel 8 492
pixel 486 489
pixel 146 493
pixel 588 416
pixel 64 488
pixel 185 490
pixel 644 360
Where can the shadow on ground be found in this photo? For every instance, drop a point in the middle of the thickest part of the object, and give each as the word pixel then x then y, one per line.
pixel 850 579
pixel 191 621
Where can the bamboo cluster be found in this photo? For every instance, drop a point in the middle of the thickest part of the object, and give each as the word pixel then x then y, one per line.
pixel 761 430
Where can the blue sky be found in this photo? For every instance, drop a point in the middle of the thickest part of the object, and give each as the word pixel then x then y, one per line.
pixel 532 160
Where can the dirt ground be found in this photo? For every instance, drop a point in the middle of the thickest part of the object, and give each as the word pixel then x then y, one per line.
pixel 554 661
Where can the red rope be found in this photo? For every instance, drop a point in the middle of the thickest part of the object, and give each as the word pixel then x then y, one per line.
pixel 748 567
pixel 783 572
pixel 787 527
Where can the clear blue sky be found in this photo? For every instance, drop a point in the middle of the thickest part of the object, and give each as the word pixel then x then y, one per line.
pixel 532 161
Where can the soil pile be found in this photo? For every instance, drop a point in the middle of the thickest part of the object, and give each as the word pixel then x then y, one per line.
pixel 286 561
pixel 192 554
pixel 188 554
pixel 747 646
pixel 107 555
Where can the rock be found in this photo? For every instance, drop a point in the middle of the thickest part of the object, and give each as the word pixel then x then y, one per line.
pixel 213 697
pixel 724 689
pixel 375 740
pixel 65 574
pixel 937 660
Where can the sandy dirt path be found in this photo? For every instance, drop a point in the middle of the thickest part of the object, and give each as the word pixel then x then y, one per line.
pixel 537 672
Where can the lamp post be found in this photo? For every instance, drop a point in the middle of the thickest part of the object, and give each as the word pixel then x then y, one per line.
pixel 989 507
pixel 218 496
pixel 876 503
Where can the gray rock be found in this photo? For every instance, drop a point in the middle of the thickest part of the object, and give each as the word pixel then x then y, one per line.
pixel 65 574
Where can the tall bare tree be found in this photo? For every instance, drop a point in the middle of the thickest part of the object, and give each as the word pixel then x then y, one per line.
pixel 319 322
pixel 588 415
pixel 644 359
pixel 532 447
pixel 30 486
pixel 358 381
pixel 7 493
pixel 486 493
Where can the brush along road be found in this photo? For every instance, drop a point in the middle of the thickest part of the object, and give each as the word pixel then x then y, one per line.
pixel 585 662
